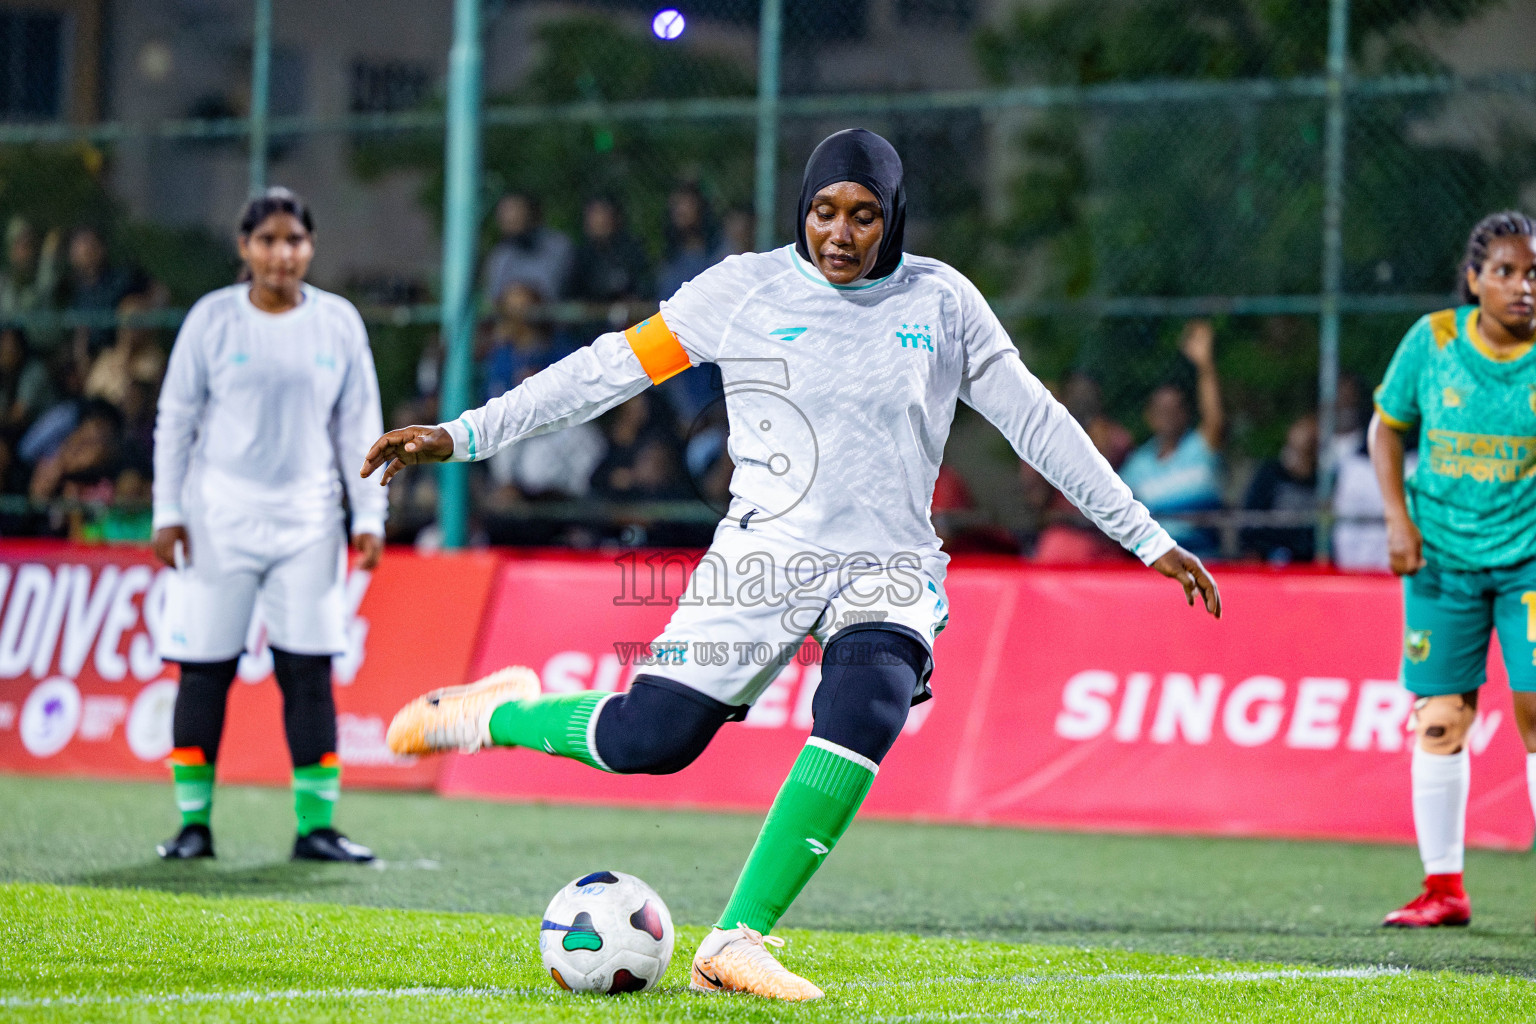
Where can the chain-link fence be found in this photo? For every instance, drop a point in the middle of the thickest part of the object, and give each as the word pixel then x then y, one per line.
pixel 1303 176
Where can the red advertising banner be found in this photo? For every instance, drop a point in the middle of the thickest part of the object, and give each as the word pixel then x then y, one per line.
pixel 1090 699
pixel 83 692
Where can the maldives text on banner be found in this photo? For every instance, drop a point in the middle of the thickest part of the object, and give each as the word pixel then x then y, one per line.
pixel 1086 699
pixel 82 690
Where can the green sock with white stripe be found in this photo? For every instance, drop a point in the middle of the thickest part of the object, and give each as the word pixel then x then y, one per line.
pixel 556 724
pixel 193 784
pixel 316 788
pixel 814 808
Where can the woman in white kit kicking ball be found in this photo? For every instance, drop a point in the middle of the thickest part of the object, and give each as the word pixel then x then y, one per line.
pixel 270 389
pixel 842 359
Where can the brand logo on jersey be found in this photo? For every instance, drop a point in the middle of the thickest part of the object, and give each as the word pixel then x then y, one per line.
pixel 788 333
pixel 1450 398
pixel 915 336
pixel 1416 645
pixel 325 362
pixel 239 359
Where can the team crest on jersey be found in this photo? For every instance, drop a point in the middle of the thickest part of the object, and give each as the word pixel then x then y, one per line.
pixel 918 336
pixel 1450 398
pixel 1416 645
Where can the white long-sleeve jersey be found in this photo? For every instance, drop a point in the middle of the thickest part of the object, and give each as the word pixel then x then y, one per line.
pixel 269 413
pixel 839 401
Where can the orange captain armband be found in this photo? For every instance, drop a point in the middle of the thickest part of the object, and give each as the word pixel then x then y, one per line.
pixel 661 355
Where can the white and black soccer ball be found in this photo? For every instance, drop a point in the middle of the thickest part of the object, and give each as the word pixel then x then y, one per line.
pixel 606 932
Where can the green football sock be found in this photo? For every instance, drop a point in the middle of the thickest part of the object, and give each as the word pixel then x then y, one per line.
pixel 194 792
pixel 814 808
pixel 556 724
pixel 316 788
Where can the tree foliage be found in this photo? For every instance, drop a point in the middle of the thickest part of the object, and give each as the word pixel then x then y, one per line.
pixel 1185 199
pixel 587 59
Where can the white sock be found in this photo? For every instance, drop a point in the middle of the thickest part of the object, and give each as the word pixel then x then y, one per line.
pixel 1530 779
pixel 1440 785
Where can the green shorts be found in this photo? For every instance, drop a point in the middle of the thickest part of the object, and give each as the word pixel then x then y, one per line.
pixel 1449 615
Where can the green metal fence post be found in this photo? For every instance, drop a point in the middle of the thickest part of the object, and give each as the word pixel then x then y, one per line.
pixel 261 88
pixel 460 217
pixel 770 41
pixel 1333 258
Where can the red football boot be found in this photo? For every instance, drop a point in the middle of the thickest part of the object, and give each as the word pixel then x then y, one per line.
pixel 1442 903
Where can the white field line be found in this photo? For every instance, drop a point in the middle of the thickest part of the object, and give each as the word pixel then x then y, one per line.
pixel 295 995
pixel 1202 977
pixel 277 996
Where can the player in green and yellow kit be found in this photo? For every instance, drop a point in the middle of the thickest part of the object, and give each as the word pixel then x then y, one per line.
pixel 1462 533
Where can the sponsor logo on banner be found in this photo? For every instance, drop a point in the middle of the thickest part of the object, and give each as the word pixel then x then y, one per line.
pixel 81 679
pixel 1082 699
pixel 50 717
pixel 149 723
pixel 1310 714
pixel 360 740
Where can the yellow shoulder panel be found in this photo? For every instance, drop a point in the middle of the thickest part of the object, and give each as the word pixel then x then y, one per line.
pixel 1443 324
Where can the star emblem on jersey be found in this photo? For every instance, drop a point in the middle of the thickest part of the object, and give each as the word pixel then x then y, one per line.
pixel 788 333
pixel 1416 645
pixel 916 336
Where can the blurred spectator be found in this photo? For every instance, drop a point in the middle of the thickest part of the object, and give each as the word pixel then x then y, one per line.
pixel 553 465
pixel 87 463
pixel 1359 529
pixel 1285 484
pixel 1179 470
pixel 691 248
pixel 643 460
pixel 1068 535
pixel 1351 413
pixel 556 465
pixel 609 265
pixel 690 240
pixel 521 342
pixel 958 523
pixel 30 283
pixel 94 285
pixel 25 387
pixel 738 233
pixel 133 357
pixel 526 251
pixel 708 457
pixel 55 423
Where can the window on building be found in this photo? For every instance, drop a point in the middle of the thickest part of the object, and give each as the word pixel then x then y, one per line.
pixel 946 13
pixel 31 64
pixel 385 86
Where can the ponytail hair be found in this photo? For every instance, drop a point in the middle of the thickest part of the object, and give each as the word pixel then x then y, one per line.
pixel 274 200
pixel 1508 224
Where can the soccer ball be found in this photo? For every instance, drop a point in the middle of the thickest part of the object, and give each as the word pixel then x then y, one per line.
pixel 606 932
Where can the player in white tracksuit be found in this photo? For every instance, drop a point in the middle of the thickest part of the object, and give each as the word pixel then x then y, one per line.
pixel 270 390
pixel 842 359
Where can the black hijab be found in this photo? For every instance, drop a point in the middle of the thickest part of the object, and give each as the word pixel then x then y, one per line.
pixel 861 156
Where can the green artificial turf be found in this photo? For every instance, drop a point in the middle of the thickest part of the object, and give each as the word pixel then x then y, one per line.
pixel 904 922
pixel 92 954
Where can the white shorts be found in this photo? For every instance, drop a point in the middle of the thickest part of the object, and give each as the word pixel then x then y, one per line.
pixel 294 576
pixel 753 599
